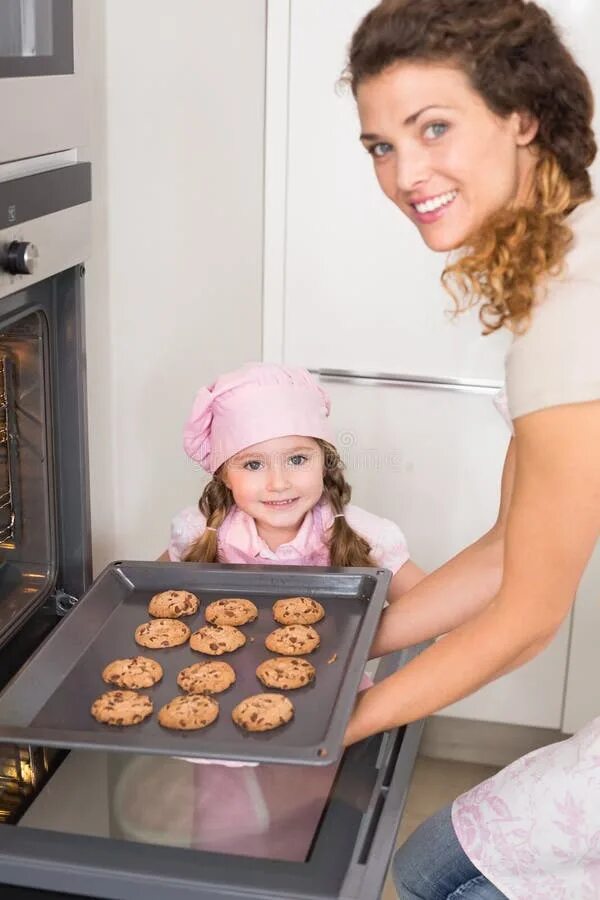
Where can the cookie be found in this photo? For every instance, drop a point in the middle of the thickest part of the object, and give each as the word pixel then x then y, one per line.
pixel 217 639
pixel 137 672
pixel 189 712
pixel 161 633
pixel 293 640
pixel 285 672
pixel 121 708
pixel 173 604
pixel 206 678
pixel 297 611
pixel 262 712
pixel 232 611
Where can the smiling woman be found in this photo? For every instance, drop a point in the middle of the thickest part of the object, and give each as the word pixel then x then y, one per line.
pixel 433 159
pixel 478 121
pixel 466 129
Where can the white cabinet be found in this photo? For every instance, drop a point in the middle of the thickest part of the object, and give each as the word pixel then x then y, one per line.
pixel 360 289
pixel 431 461
pixel 350 286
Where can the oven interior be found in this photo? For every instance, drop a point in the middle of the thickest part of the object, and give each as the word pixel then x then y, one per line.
pixel 27 508
pixel 44 561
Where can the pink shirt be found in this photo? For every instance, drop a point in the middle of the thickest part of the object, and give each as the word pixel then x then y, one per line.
pixel 239 541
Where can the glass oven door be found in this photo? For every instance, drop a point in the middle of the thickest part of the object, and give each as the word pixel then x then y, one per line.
pixel 36 38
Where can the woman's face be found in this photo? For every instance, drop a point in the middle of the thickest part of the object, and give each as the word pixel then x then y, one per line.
pixel 439 152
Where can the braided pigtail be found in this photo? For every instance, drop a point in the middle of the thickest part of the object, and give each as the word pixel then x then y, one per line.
pixel 214 504
pixel 346 547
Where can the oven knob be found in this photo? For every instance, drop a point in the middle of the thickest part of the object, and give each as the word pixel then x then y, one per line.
pixel 21 258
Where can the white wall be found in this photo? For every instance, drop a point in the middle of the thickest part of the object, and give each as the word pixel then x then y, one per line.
pixel 174 288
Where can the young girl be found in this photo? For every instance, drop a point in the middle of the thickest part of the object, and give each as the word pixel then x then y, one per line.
pixel 278 493
pixel 277 496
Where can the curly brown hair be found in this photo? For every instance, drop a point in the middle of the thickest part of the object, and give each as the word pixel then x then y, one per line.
pixel 515 59
pixel 346 547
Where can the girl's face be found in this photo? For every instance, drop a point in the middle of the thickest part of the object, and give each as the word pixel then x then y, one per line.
pixel 277 482
pixel 440 154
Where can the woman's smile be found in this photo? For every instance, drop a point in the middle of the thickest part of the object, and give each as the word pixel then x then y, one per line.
pixel 433 208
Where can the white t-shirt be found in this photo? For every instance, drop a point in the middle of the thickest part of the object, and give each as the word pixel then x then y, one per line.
pixel 534 828
pixel 557 360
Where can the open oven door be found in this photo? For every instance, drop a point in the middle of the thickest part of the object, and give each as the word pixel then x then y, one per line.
pixel 86 853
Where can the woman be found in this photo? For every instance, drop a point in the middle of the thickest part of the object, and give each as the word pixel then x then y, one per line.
pixel 478 121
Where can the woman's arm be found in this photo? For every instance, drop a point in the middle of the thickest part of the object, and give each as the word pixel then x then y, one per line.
pixel 453 593
pixel 404 580
pixel 164 557
pixel 552 526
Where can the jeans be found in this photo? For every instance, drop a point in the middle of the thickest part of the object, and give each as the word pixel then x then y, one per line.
pixel 432 865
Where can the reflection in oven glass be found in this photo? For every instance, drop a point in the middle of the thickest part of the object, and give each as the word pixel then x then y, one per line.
pixel 26 28
pixel 266 811
pixel 26 497
pixel 8 453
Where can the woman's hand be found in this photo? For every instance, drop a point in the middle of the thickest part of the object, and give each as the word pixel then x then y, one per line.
pixel 552 525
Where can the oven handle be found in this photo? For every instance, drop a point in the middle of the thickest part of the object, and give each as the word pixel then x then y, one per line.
pixel 395 763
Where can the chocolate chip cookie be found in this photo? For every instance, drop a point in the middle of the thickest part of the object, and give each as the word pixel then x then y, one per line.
pixel 217 639
pixel 231 611
pixel 206 678
pixel 293 640
pixel 160 633
pixel 286 672
pixel 121 708
pixel 297 611
pixel 189 712
pixel 262 712
pixel 173 604
pixel 137 672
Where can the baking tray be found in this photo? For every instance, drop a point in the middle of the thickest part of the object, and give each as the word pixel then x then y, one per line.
pixel 48 702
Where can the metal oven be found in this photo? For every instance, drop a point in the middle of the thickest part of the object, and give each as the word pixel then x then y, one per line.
pixel 45 558
pixel 41 79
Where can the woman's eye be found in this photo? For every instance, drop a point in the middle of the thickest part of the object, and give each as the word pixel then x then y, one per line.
pixel 380 150
pixel 298 459
pixel 436 130
pixel 253 465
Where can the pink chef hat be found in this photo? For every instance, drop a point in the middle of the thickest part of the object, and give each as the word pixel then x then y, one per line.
pixel 258 402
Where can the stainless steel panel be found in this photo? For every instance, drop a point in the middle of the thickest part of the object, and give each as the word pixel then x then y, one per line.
pixel 467 385
pixel 63 240
pixel 43 114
